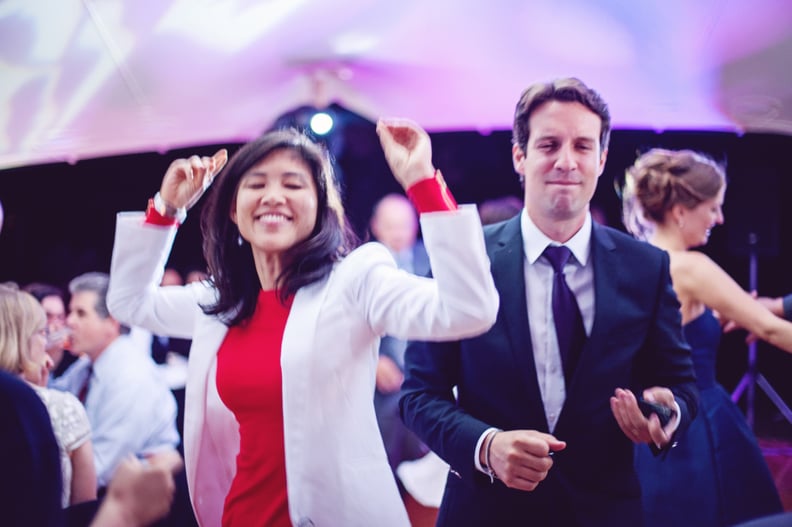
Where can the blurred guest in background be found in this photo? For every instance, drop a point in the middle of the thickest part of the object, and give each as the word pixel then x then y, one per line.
pixel 23 339
pixel 53 301
pixel 717 475
pixel 195 274
pixel 131 409
pixel 394 223
pixel 30 486
pixel 499 209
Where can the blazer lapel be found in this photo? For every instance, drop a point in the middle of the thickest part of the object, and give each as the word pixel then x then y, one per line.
pixel 206 342
pixel 606 286
pixel 507 257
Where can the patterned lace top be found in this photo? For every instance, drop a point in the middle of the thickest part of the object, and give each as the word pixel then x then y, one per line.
pixel 71 427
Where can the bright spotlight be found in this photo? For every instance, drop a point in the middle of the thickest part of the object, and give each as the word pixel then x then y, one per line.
pixel 321 123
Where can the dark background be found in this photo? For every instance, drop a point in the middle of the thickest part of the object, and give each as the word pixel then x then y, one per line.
pixel 60 218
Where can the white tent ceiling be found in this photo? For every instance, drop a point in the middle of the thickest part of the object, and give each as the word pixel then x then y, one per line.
pixel 89 78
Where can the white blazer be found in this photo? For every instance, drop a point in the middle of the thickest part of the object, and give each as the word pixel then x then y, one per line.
pixel 336 468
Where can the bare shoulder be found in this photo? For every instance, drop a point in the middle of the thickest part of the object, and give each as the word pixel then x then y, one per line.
pixel 691 261
pixel 690 267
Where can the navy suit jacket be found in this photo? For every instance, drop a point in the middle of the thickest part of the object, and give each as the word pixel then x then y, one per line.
pixel 30 484
pixel 636 342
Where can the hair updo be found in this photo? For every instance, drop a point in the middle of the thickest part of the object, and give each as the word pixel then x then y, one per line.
pixel 661 179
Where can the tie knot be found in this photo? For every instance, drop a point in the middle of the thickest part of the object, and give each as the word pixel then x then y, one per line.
pixel 557 256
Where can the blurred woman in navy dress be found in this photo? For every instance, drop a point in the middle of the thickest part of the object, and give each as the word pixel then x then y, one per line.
pixel 716 475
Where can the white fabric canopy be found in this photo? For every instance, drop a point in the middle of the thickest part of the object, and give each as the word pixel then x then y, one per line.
pixel 88 78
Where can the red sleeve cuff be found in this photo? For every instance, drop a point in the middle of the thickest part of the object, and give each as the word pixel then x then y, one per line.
pixel 155 218
pixel 432 195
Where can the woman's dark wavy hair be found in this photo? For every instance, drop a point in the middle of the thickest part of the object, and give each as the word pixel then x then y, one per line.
pixel 231 266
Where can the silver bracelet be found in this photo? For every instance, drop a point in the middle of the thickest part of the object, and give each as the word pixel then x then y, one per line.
pixel 167 210
pixel 490 471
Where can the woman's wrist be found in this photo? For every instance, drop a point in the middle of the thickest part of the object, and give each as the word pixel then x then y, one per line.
pixel 168 210
pixel 159 213
pixel 431 194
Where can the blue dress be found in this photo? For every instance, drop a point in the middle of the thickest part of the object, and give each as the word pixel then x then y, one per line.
pixel 716 475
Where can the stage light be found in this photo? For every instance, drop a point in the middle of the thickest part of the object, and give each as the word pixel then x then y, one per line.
pixel 329 126
pixel 321 123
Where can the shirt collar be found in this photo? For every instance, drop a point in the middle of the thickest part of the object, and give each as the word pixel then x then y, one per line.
pixel 535 241
pixel 106 361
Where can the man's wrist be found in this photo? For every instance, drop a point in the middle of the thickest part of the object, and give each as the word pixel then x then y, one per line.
pixel 485 454
pixel 488 459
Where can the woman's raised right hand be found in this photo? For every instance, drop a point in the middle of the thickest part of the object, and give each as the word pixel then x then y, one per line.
pixel 187 179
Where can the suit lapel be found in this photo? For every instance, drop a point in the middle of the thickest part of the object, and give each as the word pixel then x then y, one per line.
pixel 606 287
pixel 508 273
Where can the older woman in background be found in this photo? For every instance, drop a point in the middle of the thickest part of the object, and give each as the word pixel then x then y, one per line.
pixel 23 343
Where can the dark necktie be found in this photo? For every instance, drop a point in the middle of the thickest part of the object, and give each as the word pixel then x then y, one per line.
pixel 83 393
pixel 566 314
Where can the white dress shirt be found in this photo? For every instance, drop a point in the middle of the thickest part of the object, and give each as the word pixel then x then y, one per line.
pixel 579 275
pixel 130 408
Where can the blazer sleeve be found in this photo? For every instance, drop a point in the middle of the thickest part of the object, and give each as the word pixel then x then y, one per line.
pixel 134 297
pixel 459 301
pixel 669 362
pixel 428 405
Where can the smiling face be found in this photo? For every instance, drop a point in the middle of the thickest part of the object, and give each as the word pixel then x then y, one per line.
pixel 276 204
pixel 697 223
pixel 561 163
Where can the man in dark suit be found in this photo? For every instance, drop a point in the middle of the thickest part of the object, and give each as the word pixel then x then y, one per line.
pixel 394 223
pixel 542 427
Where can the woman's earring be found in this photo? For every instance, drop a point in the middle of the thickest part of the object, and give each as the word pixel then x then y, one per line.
pixel 240 241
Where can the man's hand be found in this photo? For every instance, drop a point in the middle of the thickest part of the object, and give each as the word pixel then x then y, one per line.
pixel 632 422
pixel 774 305
pixel 139 494
pixel 521 459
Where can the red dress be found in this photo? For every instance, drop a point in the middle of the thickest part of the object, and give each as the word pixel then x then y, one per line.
pixel 250 384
